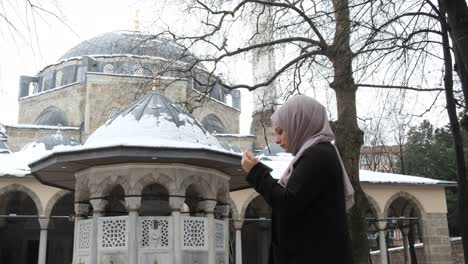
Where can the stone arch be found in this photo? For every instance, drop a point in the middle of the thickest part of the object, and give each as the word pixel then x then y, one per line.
pixel 374 206
pixel 82 190
pixel 234 210
pixel 21 188
pixel 200 183
pixel 406 196
pixel 107 184
pixel 52 116
pixel 52 201
pixel 161 179
pixel 222 195
pixel 249 199
pixel 214 123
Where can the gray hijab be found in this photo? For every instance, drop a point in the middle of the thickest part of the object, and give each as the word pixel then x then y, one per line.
pixel 306 123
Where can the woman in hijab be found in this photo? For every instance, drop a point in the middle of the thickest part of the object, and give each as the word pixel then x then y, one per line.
pixel 310 200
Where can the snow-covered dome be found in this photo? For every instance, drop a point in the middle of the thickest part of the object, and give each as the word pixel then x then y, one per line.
pixel 153 121
pixel 129 43
pixel 49 142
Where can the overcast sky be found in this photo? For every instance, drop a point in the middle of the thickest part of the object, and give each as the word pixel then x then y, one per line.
pixel 26 53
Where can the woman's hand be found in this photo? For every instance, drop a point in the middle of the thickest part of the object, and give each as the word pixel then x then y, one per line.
pixel 248 160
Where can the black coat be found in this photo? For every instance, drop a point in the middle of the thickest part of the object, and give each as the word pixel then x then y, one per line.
pixel 308 216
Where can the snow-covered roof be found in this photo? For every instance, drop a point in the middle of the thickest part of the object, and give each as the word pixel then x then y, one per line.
pixel 16 163
pixel 280 162
pixel 393 178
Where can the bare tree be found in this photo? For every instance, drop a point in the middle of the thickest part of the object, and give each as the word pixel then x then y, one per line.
pixel 345 44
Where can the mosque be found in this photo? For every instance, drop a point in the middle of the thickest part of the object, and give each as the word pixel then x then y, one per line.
pixel 120 155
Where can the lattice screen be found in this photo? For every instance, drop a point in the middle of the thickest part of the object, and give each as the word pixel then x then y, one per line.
pixel 219 235
pixel 85 234
pixel 113 232
pixel 159 238
pixel 195 232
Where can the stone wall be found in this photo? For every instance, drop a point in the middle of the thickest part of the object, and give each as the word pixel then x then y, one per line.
pixel 396 254
pixel 71 99
pixel 436 238
pixel 107 95
pixel 457 251
pixel 229 116
pixel 19 136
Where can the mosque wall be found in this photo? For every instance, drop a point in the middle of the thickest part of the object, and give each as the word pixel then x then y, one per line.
pixel 69 99
pixel 228 115
pixel 19 136
pixel 107 95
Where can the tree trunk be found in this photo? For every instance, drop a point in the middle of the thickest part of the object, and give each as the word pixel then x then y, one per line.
pixel 349 138
pixel 452 113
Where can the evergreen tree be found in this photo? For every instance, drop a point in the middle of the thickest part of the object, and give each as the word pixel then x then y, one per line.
pixel 430 152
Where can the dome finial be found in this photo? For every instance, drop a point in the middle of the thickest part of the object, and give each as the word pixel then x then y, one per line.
pixel 136 20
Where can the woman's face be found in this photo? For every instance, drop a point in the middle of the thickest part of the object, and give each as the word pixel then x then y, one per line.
pixel 282 138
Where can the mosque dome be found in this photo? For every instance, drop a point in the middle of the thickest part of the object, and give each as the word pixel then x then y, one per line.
pixel 153 121
pixel 129 43
pixel 49 142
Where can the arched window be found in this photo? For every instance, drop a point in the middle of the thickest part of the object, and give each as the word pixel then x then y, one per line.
pixel 108 68
pixel 58 79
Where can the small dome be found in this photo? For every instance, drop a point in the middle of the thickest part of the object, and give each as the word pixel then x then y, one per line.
pixel 129 43
pixel 52 116
pixel 51 141
pixel 153 121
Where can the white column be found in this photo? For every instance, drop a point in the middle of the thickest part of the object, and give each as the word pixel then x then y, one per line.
pixel 44 223
pixel 98 208
pixel 176 204
pixel 404 232
pixel 238 228
pixel 133 205
pixel 224 211
pixel 81 211
pixel 208 207
pixel 381 225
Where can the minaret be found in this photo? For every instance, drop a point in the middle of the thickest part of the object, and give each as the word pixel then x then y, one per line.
pixel 136 21
pixel 263 65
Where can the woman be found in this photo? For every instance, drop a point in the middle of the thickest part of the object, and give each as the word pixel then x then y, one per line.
pixel 310 200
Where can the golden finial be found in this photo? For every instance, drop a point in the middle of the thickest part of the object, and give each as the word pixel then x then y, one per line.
pixel 136 21
pixel 155 84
